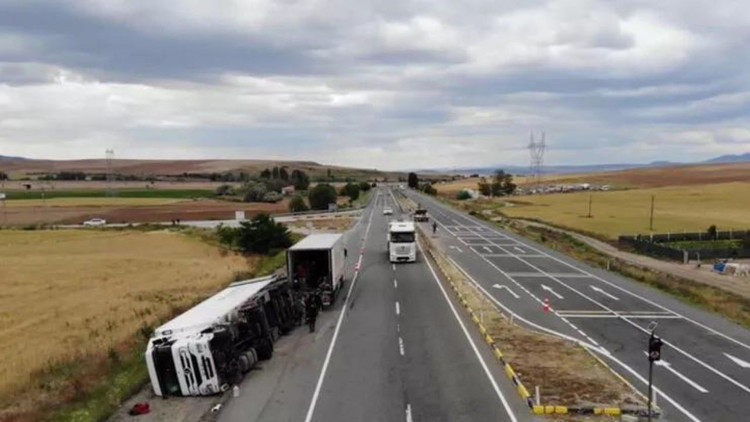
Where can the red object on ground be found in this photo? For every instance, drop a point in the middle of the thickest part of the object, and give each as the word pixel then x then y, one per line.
pixel 545 306
pixel 140 409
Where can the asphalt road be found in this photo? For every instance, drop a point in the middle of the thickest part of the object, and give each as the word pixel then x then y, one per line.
pixel 705 372
pixel 397 347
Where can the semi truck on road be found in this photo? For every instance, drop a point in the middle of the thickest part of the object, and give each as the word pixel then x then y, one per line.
pixel 317 263
pixel 206 349
pixel 402 241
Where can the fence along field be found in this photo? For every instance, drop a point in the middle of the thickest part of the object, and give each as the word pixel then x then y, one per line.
pixel 69 294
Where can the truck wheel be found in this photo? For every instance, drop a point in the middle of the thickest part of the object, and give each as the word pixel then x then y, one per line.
pixel 254 353
pixel 244 364
pixel 265 349
pixel 251 359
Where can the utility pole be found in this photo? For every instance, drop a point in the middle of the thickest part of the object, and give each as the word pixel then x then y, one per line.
pixel 654 354
pixel 651 220
pixel 590 195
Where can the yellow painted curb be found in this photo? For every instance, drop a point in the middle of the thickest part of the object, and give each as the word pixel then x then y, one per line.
pixel 561 410
pixel 538 410
pixel 612 411
pixel 474 318
pixel 523 392
pixel 482 329
pixel 489 339
pixel 498 353
pixel 509 371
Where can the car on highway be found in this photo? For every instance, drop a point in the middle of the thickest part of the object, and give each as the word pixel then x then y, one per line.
pixel 95 222
pixel 387 211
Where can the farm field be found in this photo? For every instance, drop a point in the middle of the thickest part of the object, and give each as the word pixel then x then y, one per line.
pixel 614 213
pixel 68 295
pixel 127 210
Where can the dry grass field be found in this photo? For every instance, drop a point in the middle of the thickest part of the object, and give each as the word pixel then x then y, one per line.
pixel 677 209
pixel 72 294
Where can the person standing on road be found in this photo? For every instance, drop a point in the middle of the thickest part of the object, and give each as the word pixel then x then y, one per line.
pixel 434 227
pixel 312 308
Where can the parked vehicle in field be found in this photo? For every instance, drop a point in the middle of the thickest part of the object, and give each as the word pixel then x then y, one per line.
pixel 402 242
pixel 95 222
pixel 206 349
pixel 316 263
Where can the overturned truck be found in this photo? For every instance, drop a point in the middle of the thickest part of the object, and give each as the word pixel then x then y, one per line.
pixel 209 347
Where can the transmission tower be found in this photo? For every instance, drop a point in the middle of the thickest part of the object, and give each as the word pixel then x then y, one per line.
pixel 536 150
pixel 110 156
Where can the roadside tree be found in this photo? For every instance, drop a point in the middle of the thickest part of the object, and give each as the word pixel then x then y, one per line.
pixel 322 195
pixel 297 204
pixel 413 181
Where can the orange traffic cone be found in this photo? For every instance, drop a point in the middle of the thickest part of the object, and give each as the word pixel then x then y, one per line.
pixel 545 305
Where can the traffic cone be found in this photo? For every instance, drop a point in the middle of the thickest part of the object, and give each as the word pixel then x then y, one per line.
pixel 545 305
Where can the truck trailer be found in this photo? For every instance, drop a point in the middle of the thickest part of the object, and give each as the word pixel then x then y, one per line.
pixel 316 263
pixel 208 348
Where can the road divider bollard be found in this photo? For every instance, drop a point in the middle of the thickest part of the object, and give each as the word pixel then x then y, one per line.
pixel 545 305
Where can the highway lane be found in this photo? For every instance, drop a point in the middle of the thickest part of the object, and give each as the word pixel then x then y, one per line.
pixel 402 354
pixel 705 378
pixel 394 350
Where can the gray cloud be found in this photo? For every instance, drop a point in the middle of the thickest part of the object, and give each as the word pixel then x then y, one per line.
pixel 390 84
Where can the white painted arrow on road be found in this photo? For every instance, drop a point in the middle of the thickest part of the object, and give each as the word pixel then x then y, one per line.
pixel 596 289
pixel 519 249
pixel 499 287
pixel 668 366
pixel 549 289
pixel 738 361
pixel 456 248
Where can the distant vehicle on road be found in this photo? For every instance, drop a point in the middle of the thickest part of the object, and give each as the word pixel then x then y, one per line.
pixel 95 222
pixel 421 215
pixel 387 211
pixel 402 242
pixel 317 263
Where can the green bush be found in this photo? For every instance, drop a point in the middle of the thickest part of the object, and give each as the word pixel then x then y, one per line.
pixel 260 235
pixel 463 195
pixel 254 192
pixel 322 195
pixel 351 190
pixel 429 189
pixel 272 197
pixel 297 204
pixel 224 190
pixel 365 186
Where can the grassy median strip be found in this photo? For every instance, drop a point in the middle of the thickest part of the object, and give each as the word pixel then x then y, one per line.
pixel 570 379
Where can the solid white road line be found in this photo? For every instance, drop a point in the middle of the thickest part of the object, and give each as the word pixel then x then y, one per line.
pixel 668 366
pixel 596 348
pixel 398 309
pixel 499 287
pixel 601 305
pixel 499 393
pixel 327 361
pixel 401 345
pixel 549 289
pixel 596 289
pixel 408 413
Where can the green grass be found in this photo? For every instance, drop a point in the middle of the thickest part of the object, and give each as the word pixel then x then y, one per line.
pixel 125 376
pixel 120 193
pixel 364 197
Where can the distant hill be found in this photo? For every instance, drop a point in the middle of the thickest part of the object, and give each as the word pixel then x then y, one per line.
pixel 22 166
pixel 739 158
pixel 592 168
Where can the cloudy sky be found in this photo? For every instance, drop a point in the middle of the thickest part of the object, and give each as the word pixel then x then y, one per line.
pixel 375 83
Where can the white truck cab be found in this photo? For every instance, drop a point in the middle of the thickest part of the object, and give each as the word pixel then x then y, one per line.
pixel 402 241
